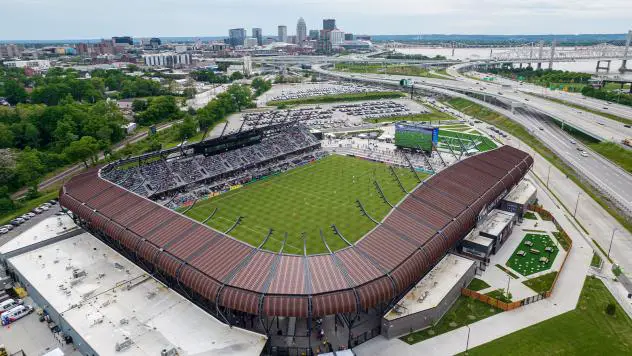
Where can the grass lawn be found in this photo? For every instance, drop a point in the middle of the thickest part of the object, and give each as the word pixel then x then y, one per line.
pixel 339 97
pixel 602 250
pixel 596 260
pixel 622 157
pixel 585 331
pixel 541 284
pixel 504 269
pixel 530 215
pixel 477 284
pixel 395 69
pixel 530 263
pixel 500 295
pixel 464 311
pixel 558 236
pixel 306 200
pixel 451 138
pixel 519 131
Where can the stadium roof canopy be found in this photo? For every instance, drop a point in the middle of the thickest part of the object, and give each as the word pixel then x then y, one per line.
pixel 410 240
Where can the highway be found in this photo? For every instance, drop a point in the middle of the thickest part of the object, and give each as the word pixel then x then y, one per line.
pixel 574 98
pixel 609 177
pixel 600 126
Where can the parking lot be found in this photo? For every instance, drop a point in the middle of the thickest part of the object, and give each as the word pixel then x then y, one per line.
pixel 28 224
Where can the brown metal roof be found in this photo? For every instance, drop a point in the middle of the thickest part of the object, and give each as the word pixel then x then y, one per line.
pixel 383 264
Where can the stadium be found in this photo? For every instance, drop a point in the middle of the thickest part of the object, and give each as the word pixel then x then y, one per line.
pixel 347 260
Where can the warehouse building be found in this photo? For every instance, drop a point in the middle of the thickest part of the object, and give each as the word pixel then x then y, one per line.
pixel 104 304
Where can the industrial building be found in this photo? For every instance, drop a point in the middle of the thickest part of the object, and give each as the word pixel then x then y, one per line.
pixel 105 305
pixel 167 59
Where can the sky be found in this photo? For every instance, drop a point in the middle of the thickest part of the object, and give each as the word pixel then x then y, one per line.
pixel 87 19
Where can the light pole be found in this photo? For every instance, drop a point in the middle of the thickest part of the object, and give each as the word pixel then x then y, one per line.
pixel 611 239
pixel 577 203
pixel 467 342
pixel 547 176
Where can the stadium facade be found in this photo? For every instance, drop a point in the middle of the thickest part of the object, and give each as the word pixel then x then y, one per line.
pixel 246 286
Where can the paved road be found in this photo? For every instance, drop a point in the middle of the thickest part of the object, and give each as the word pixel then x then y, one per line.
pixel 575 98
pixel 609 177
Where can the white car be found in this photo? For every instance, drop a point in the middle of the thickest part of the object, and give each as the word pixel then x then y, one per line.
pixel 584 154
pixel 30 214
pixel 25 217
pixel 8 227
pixel 37 211
pixel 3 231
pixel 573 142
pixel 43 207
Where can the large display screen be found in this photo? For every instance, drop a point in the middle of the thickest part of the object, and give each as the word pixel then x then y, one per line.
pixel 416 136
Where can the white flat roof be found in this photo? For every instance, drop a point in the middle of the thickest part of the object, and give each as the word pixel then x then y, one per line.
pixel 495 222
pixel 474 237
pixel 117 299
pixel 433 288
pixel 44 230
pixel 521 193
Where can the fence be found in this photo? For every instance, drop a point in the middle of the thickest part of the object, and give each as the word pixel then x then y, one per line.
pixel 546 215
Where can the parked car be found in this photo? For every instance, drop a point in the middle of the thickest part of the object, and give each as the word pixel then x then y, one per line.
pixel 37 211
pixel 10 304
pixel 15 222
pixel 53 202
pixel 3 230
pixel 44 207
pixel 25 217
pixel 30 214
pixel 15 314
pixel 8 227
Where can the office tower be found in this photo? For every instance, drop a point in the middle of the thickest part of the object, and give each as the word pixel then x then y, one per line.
pixel 282 34
pixel 258 34
pixel 329 24
pixel 301 31
pixel 236 37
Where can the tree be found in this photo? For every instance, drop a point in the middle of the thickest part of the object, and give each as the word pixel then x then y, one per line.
pixel 188 128
pixel 189 93
pixel 163 108
pixel 29 167
pixel 260 85
pixel 236 76
pixel 6 136
pixel 139 105
pixel 611 309
pixel 14 92
pixel 87 147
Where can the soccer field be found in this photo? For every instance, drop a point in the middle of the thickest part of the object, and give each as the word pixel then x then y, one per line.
pixel 306 200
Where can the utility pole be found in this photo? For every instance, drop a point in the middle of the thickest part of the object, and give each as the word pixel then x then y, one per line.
pixel 548 175
pixel 577 203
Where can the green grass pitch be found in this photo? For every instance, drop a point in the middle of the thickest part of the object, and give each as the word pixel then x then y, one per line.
pixel 530 264
pixel 305 200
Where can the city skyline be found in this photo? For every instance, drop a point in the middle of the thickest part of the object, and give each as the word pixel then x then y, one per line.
pixel 190 18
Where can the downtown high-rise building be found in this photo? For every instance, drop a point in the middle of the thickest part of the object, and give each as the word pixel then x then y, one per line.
pixel 236 37
pixel 329 24
pixel 314 35
pixel 282 35
pixel 258 34
pixel 301 31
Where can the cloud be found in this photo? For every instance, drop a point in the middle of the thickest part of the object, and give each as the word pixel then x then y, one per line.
pixel 71 19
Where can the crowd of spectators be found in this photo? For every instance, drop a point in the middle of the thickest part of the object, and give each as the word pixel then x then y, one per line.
pixel 161 175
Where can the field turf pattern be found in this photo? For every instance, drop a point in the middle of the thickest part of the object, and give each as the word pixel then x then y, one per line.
pixel 304 200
